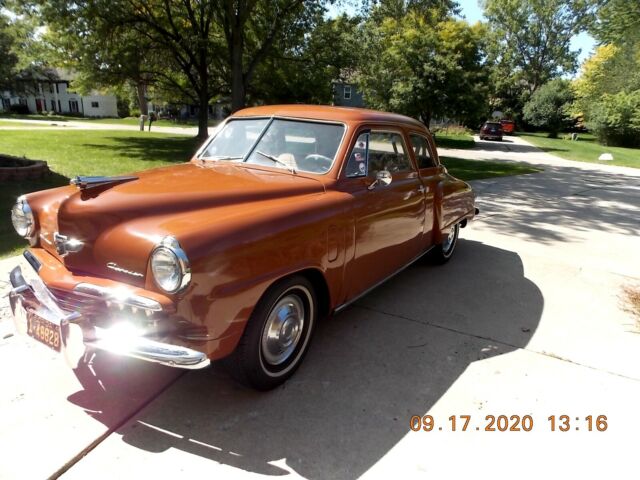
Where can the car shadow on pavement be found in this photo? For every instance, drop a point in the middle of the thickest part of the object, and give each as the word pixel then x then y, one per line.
pixel 392 355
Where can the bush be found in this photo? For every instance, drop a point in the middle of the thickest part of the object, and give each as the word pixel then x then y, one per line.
pixel 19 109
pixel 549 106
pixel 615 119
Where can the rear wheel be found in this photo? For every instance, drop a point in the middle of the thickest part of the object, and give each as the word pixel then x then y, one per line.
pixel 443 252
pixel 277 335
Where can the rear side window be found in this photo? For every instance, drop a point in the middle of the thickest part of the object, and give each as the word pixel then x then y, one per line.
pixel 420 147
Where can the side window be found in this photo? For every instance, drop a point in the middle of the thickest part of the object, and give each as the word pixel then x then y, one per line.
pixel 357 164
pixel 421 149
pixel 378 151
pixel 387 152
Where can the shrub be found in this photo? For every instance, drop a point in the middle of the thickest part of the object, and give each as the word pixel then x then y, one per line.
pixel 615 119
pixel 549 106
pixel 19 109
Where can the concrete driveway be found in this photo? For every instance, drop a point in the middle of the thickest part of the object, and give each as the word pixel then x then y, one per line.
pixel 527 319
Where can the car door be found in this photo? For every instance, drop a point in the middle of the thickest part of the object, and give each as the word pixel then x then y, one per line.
pixel 430 175
pixel 388 218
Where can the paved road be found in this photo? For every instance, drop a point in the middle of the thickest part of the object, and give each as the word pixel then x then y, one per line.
pixel 528 318
pixel 75 125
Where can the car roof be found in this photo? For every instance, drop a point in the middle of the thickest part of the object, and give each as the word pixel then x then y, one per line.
pixel 328 113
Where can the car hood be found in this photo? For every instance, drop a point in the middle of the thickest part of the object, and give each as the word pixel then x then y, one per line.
pixel 120 223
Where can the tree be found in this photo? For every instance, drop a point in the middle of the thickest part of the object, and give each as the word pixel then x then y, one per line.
pixel 303 70
pixel 549 106
pixel 8 59
pixel 424 67
pixel 202 48
pixel 608 88
pixel 532 37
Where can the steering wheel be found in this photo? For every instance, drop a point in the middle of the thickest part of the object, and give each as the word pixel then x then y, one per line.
pixel 317 163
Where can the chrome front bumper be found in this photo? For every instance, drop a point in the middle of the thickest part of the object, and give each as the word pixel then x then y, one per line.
pixel 32 297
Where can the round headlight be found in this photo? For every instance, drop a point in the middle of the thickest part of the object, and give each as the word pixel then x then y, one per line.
pixel 170 266
pixel 22 218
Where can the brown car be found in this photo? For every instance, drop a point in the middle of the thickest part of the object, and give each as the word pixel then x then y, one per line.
pixel 284 216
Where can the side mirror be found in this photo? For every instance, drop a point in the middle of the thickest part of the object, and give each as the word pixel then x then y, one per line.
pixel 383 177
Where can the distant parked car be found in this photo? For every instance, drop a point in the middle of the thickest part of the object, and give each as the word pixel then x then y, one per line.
pixel 491 131
pixel 508 126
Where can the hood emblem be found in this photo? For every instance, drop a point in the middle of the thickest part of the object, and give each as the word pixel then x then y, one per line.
pixel 89 182
pixel 65 245
pixel 114 266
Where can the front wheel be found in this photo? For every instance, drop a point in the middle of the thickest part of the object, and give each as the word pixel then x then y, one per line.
pixel 443 252
pixel 277 335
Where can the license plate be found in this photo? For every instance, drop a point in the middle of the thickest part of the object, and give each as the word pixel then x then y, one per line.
pixel 44 331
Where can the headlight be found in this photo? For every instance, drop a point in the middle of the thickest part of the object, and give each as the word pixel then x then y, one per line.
pixel 170 266
pixel 22 218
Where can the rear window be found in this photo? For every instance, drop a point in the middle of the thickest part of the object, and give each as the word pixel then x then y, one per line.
pixel 492 124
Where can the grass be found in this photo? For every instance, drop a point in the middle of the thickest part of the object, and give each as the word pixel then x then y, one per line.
pixel 22 124
pixel 631 296
pixel 479 169
pixel 134 121
pixel 585 149
pixel 70 153
pixel 454 140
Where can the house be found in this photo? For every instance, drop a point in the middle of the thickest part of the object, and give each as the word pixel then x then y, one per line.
pixel 48 91
pixel 346 94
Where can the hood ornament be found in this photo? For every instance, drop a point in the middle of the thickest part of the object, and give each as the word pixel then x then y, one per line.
pixel 89 182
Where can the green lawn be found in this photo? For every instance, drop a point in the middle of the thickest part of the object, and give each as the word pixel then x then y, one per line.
pixel 585 149
pixel 454 140
pixel 113 121
pixel 20 124
pixel 82 152
pixel 479 169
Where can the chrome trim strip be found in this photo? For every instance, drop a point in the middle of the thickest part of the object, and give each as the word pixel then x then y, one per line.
pixel 111 295
pixel 340 308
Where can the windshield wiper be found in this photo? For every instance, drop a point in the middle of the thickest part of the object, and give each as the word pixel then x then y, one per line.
pixel 221 157
pixel 276 160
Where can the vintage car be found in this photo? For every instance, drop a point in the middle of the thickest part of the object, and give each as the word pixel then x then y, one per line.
pixel 285 215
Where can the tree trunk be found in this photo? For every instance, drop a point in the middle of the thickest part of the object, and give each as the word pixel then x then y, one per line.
pixel 142 97
pixel 426 118
pixel 237 73
pixel 203 114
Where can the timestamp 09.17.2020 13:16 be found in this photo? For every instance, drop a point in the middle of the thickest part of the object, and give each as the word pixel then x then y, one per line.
pixel 509 423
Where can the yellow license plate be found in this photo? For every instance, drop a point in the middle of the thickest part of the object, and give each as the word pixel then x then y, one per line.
pixel 44 331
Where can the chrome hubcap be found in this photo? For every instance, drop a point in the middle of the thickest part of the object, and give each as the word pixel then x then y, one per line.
pixel 448 242
pixel 283 329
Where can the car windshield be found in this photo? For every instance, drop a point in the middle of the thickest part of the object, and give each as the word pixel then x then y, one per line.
pixel 294 145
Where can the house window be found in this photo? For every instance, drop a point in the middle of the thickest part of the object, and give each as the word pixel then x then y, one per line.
pixel 53 105
pixel 51 88
pixel 73 106
pixel 6 104
pixel 57 89
pixel 95 105
pixel 347 92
